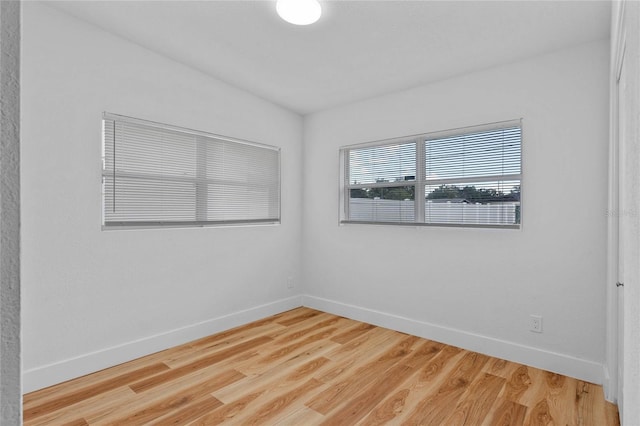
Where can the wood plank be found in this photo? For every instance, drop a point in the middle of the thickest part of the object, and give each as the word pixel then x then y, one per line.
pixel 38 397
pixel 377 393
pixel 367 398
pixel 539 415
pixel 79 422
pixel 172 374
pixel 357 331
pixel 197 347
pixel 477 401
pixel 142 412
pixel 506 413
pixel 611 414
pixel 270 410
pixel 426 383
pixel 303 328
pixel 345 361
pixel 290 350
pixel 227 411
pixel 270 388
pixel 434 410
pixel 85 409
pixel 307 314
pixel 390 408
pixel 532 388
pixel 286 347
pixel 180 387
pixel 375 334
pixel 500 367
pixel 590 404
pixel 64 401
pixel 277 377
pixel 518 383
pixel 377 339
pixel 199 350
pixel 335 395
pixel 199 407
pixel 306 367
pixel 272 373
pixel 423 354
pixel 302 416
pixel 560 396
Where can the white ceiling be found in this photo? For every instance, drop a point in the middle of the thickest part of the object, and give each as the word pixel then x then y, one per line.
pixel 358 49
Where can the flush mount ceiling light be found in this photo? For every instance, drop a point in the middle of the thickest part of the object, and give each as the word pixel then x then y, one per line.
pixel 299 12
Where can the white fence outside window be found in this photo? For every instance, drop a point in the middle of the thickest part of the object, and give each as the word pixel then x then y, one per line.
pixel 378 210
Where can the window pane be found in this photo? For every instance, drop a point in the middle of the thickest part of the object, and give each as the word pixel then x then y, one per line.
pixel 470 177
pixel 390 163
pixel 156 175
pixel 233 202
pixel 375 204
pixel 226 160
pixel 134 148
pixel 482 203
pixel 144 200
pixel 488 153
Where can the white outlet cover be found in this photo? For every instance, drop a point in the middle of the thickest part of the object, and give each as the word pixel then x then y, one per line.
pixel 535 323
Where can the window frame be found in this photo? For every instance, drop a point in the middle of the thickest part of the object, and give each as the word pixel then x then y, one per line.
pixel 421 181
pixel 149 177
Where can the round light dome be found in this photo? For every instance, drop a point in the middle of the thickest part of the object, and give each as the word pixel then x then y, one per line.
pixel 299 12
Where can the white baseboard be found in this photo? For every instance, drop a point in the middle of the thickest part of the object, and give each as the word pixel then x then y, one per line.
pixel 47 375
pixel 558 363
pixel 609 392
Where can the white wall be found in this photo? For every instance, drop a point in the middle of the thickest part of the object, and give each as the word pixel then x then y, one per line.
pixel 477 287
pixel 624 302
pixel 93 298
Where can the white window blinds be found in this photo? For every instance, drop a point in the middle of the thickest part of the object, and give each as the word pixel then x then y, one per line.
pixel 464 177
pixel 473 178
pixel 382 183
pixel 160 175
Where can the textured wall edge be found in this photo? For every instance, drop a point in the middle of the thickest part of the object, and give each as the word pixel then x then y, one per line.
pixel 10 364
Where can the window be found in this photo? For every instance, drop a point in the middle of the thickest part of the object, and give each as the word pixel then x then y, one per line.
pixel 158 175
pixel 464 177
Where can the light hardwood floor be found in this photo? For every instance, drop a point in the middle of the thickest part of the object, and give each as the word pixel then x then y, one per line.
pixel 305 367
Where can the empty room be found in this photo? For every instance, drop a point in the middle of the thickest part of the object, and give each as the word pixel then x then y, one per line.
pixel 303 212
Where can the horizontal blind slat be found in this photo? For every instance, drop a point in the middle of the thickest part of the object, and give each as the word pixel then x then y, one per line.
pixel 471 178
pixel 157 175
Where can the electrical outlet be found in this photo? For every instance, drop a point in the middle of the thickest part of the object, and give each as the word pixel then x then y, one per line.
pixel 290 282
pixel 535 323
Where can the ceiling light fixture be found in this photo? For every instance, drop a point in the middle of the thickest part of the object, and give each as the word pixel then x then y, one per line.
pixel 299 12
